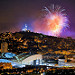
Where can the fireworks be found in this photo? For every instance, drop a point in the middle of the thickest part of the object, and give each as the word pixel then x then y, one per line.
pixel 54 21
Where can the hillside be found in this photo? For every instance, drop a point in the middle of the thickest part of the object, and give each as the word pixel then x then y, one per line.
pixel 35 42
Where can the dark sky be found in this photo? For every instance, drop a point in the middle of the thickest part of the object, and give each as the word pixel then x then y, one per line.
pixel 15 13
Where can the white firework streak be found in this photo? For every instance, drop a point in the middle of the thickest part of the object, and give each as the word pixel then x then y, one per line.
pixel 53 13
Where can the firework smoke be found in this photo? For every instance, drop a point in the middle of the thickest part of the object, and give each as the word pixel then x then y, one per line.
pixel 54 21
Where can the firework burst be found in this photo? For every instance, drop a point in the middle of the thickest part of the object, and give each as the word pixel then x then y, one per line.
pixel 53 22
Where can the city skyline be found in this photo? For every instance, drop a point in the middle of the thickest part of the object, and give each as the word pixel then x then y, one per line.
pixel 15 14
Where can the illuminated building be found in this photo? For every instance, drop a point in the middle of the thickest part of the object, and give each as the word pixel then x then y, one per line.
pixel 22 59
pixel 4 47
pixel 25 29
pixel 28 59
pixel 5 66
pixel 63 63
pixel 7 55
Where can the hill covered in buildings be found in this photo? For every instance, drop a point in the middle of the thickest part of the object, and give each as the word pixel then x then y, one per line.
pixel 26 41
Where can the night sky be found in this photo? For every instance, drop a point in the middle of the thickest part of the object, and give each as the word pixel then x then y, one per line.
pixel 14 14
